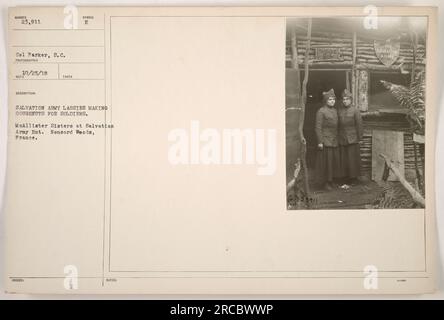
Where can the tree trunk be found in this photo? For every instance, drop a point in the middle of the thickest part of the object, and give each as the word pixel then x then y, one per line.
pixel 303 102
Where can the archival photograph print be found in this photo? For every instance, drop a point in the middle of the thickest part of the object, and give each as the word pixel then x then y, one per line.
pixel 355 112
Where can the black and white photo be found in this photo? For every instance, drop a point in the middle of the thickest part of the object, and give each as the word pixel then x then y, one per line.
pixel 355 116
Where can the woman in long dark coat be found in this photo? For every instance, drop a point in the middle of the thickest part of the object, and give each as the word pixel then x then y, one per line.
pixel 350 133
pixel 327 158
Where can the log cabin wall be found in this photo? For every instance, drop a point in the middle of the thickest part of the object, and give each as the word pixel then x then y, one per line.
pixel 360 66
pixel 366 58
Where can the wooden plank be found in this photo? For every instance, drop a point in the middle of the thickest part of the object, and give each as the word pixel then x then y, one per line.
pixel 390 143
pixel 417 197
pixel 418 138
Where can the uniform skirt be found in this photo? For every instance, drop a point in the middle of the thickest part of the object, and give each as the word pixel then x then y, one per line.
pixel 327 164
pixel 350 160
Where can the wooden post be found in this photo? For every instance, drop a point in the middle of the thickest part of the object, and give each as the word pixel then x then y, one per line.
pixel 295 66
pixel 303 102
pixel 304 83
pixel 294 50
pixel 353 80
pixel 299 105
pixel 417 197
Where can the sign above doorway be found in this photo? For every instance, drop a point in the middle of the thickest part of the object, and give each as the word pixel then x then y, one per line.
pixel 387 51
pixel 328 53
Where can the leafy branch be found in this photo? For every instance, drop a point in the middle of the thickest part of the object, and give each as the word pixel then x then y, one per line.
pixel 411 98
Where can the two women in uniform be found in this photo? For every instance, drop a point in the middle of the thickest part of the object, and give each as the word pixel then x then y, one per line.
pixel 338 131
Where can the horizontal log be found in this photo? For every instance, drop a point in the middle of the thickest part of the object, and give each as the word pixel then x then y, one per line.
pixel 377 67
pixel 366 56
pixel 366 61
pixel 372 51
pixel 362 50
pixel 314 47
pixel 410 51
pixel 312 51
pixel 345 54
pixel 375 60
pixel 420 61
pixel 369 52
pixel 338 61
pixel 403 44
pixel 326 39
pixel 409 47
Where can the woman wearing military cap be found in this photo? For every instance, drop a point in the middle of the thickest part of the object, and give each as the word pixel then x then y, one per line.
pixel 350 133
pixel 327 158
